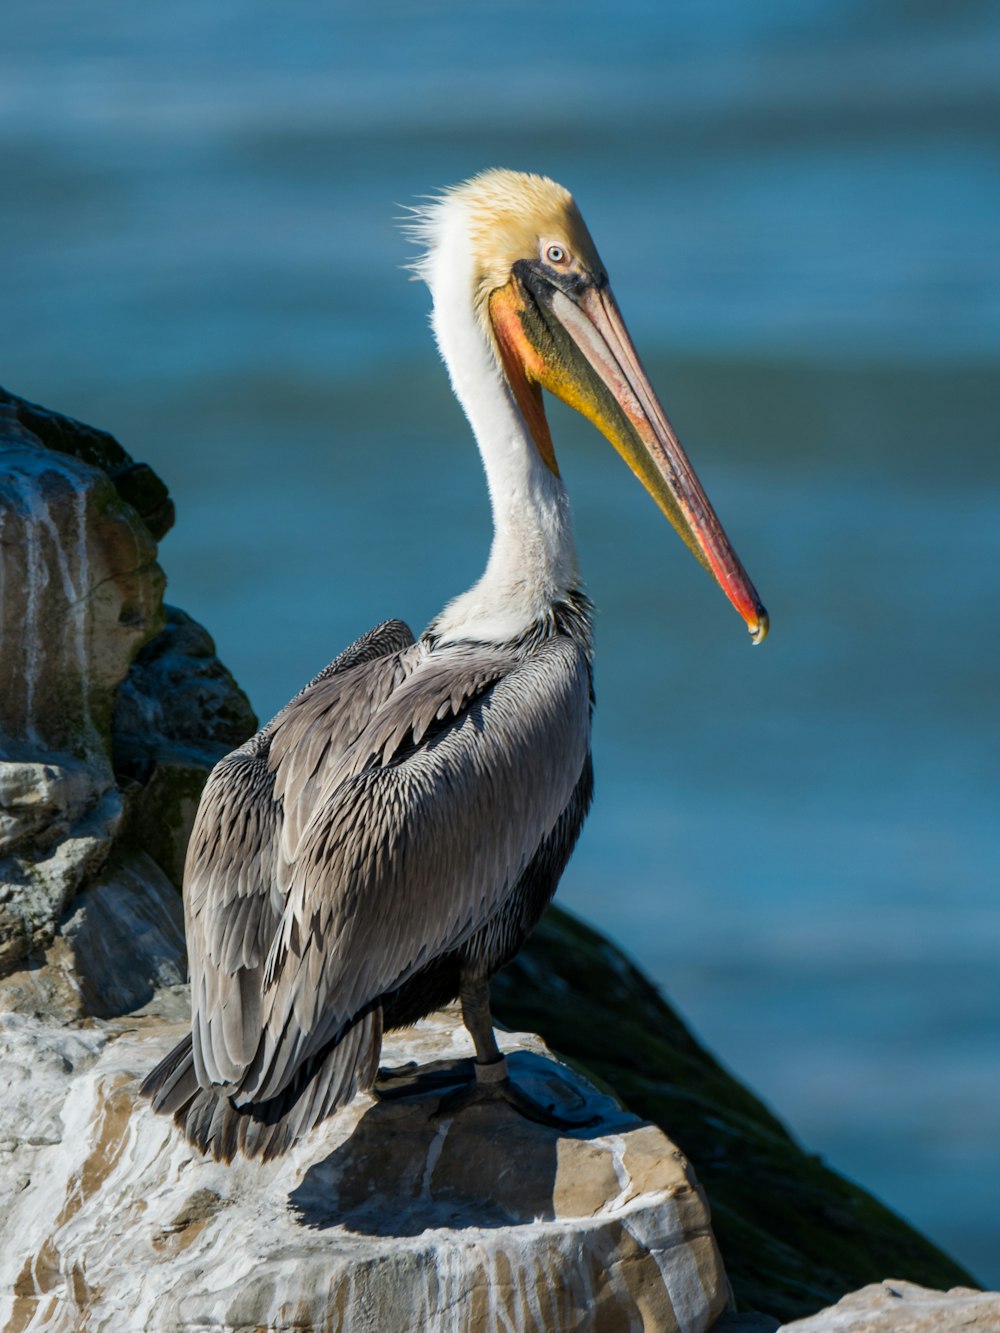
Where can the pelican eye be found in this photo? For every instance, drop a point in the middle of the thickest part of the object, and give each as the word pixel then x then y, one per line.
pixel 556 254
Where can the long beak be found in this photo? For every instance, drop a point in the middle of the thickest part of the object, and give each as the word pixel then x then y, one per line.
pixel 589 361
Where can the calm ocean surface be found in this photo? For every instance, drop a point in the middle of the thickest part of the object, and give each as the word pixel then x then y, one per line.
pixel 798 204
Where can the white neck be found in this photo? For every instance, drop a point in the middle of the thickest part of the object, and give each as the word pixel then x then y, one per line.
pixel 532 561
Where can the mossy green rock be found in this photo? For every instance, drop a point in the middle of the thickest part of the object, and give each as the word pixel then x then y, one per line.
pixel 794 1234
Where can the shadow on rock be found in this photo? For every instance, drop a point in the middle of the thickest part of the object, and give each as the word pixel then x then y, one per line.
pixel 405 1170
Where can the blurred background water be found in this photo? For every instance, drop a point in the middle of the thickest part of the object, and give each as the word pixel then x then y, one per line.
pixel 798 202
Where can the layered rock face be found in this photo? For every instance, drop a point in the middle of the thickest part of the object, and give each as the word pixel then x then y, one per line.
pixel 98 780
pixel 113 708
pixel 386 1219
pixel 80 592
pixel 904 1307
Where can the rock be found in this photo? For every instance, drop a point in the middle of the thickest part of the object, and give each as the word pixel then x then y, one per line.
pixel 119 944
pixel 177 713
pixel 90 760
pixel 746 1322
pixel 52 848
pixel 136 483
pixel 80 591
pixel 794 1233
pixel 384 1219
pixel 903 1307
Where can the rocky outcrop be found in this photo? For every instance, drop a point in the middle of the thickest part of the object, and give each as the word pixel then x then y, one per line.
pixel 903 1307
pixel 112 710
pixel 97 787
pixel 80 592
pixel 795 1235
pixel 177 712
pixel 386 1219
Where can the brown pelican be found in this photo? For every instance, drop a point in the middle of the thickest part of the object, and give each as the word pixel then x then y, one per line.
pixel 386 843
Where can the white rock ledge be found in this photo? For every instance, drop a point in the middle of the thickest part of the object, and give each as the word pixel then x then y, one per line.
pixel 904 1307
pixel 385 1220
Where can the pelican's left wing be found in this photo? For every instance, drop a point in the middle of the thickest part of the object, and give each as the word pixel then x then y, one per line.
pixel 233 900
pixel 426 824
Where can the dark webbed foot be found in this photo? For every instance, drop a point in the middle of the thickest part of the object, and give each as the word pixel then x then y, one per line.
pixel 493 1083
pixel 415 1080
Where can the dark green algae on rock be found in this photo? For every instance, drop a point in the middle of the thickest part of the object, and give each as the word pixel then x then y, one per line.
pixel 793 1233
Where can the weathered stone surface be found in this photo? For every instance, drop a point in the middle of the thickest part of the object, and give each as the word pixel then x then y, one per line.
pixel 53 839
pixel 80 591
pixel 177 713
pixel 903 1307
pixel 118 944
pixel 80 594
pixel 384 1220
pixel 136 483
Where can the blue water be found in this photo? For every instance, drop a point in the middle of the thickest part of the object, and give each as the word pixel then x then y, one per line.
pixel 798 206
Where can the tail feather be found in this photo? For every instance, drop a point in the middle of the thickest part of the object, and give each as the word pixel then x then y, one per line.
pixel 172 1084
pixel 266 1130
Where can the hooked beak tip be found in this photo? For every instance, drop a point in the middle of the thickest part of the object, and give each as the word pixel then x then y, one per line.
pixel 758 630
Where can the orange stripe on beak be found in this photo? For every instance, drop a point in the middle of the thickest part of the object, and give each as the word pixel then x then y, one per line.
pixel 521 362
pixel 577 346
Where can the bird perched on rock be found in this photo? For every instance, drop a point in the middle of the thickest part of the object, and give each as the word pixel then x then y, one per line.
pixel 388 841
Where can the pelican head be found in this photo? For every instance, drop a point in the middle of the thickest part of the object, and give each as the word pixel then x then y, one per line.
pixel 541 296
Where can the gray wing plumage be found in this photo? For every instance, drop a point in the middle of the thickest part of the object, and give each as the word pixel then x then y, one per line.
pixel 405 860
pixel 232 900
pixel 375 824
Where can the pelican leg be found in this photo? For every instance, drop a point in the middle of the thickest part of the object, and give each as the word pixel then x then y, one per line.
pixel 476 1015
pixel 493 1081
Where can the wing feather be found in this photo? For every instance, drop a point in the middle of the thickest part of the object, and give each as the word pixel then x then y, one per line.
pixel 403 860
pixel 233 900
